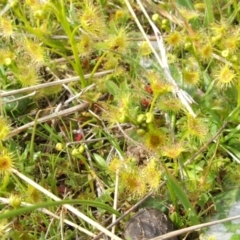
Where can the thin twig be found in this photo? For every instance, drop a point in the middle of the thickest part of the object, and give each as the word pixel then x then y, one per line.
pixel 14 99
pixel 193 228
pixel 115 200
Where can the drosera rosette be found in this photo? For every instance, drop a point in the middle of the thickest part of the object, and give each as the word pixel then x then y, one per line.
pixel 201 46
pixel 5 128
pixel 6 27
pixel 123 107
pixel 118 40
pixel 173 150
pixel 168 104
pixel 116 114
pixel 85 45
pixel 152 174
pixel 111 61
pixel 191 73
pixel 175 39
pixel 33 52
pixel 33 195
pixel 133 182
pixel 231 41
pixel 115 165
pixel 91 20
pixel 27 75
pixel 6 161
pixel 194 128
pixel 120 16
pixel 144 49
pixel 219 30
pixel 205 52
pixel 225 76
pixel 199 183
pixel 155 138
pixel 158 85
pixel 191 77
pixel 15 200
pixel 130 179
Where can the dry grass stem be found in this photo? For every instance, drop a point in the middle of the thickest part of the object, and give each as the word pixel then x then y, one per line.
pixel 50 84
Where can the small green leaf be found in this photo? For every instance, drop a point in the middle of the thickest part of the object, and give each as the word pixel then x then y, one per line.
pixel 112 87
pixel 100 161
pixel 209 83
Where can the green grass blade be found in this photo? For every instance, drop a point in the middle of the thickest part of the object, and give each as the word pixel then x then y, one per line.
pixel 182 197
pixel 209 16
pixel 19 211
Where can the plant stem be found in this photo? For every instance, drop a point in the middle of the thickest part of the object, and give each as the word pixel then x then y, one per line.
pixel 238 90
pixel 78 66
pixel 153 102
pixel 61 15
pixel 97 64
pixel 236 9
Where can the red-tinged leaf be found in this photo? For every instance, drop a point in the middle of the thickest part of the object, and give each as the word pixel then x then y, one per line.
pixel 148 89
pixel 78 137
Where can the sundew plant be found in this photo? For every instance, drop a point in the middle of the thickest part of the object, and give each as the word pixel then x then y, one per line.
pixel 109 105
